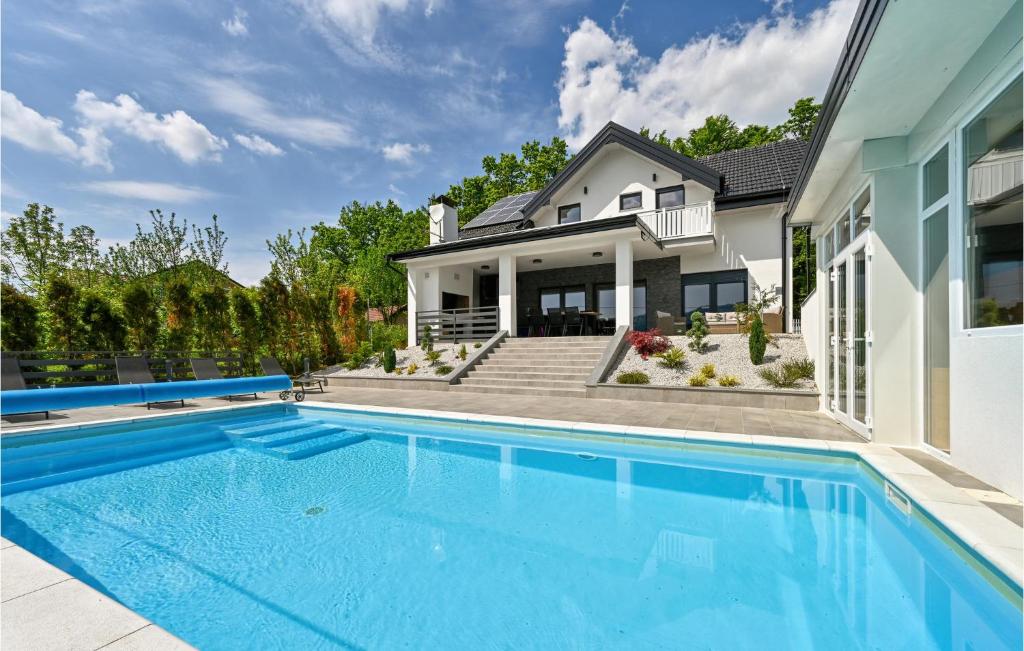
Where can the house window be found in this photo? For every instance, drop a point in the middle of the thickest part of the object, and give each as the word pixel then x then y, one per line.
pixel 569 214
pixel 992 146
pixel 556 298
pixel 605 300
pixel 631 201
pixel 717 291
pixel 673 197
pixel 640 305
pixel 605 295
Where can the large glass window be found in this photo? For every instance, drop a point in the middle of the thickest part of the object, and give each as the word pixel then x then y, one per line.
pixel 606 301
pixel 640 306
pixel 569 214
pixel 670 197
pixel 993 221
pixel 717 291
pixel 935 178
pixel 862 212
pixel 550 299
pixel 575 297
pixel 563 297
pixel 843 231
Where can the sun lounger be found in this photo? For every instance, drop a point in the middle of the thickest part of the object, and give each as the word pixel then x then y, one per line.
pixel 205 368
pixel 271 366
pixel 135 370
pixel 11 379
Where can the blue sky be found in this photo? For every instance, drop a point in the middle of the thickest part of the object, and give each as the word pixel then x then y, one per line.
pixel 275 114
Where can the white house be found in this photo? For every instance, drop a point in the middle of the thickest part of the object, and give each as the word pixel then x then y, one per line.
pixel 912 185
pixel 628 229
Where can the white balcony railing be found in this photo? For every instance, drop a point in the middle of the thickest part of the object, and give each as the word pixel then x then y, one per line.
pixel 691 220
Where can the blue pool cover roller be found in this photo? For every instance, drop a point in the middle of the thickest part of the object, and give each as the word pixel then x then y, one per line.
pixel 25 401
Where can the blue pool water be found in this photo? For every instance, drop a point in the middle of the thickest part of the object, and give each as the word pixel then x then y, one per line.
pixel 291 527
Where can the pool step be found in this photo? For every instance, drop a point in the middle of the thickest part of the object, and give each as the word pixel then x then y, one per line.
pixel 337 438
pixel 273 427
pixel 286 436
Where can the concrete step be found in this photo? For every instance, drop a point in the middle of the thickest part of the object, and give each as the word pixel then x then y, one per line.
pixel 527 364
pixel 520 391
pixel 553 341
pixel 520 382
pixel 484 372
pixel 545 355
pixel 572 348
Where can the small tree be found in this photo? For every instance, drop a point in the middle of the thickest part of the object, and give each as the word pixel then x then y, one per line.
pixel 181 315
pixel 348 324
pixel 213 319
pixel 427 340
pixel 245 322
pixel 758 340
pixel 697 332
pixel 103 328
pixel 63 303
pixel 19 320
pixel 140 316
pixel 388 359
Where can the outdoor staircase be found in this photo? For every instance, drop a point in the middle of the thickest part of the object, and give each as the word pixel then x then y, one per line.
pixel 293 437
pixel 537 366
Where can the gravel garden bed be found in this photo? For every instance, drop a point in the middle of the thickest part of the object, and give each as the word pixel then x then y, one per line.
pixel 403 358
pixel 729 354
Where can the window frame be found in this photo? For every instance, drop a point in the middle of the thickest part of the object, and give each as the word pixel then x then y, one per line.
pixel 957 216
pixel 673 188
pixel 712 280
pixel 561 290
pixel 630 195
pixel 568 207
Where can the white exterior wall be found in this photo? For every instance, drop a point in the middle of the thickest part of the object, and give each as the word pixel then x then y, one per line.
pixel 616 171
pixel 746 238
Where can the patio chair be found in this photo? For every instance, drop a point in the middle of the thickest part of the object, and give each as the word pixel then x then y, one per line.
pixel 573 319
pixel 271 366
pixel 536 323
pixel 11 378
pixel 205 368
pixel 135 370
pixel 556 321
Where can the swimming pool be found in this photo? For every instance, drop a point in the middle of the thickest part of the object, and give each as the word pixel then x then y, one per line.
pixel 287 526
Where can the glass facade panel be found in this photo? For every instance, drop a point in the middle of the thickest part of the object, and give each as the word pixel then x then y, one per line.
pixel 640 306
pixel 606 301
pixel 935 288
pixel 862 212
pixel 860 344
pixel 831 342
pixel 993 220
pixel 935 178
pixel 727 295
pixel 843 232
pixel 550 299
pixel 841 335
pixel 696 298
pixel 828 248
pixel 576 297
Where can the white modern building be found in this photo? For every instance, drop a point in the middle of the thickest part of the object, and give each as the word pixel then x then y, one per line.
pixel 912 185
pixel 628 233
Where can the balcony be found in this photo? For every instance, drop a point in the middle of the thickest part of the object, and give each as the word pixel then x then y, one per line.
pixel 691 220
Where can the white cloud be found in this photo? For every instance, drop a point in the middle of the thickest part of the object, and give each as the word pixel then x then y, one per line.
pixel 257 113
pixel 34 131
pixel 150 190
pixel 258 145
pixel 753 76
pixel 350 26
pixel 403 152
pixel 395 190
pixel 236 24
pixel 179 132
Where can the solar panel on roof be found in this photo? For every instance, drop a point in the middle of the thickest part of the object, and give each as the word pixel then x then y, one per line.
pixel 503 210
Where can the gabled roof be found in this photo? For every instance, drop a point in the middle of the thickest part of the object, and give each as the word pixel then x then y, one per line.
pixel 618 134
pixel 757 171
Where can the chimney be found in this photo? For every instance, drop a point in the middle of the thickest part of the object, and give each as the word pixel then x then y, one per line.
pixel 444 221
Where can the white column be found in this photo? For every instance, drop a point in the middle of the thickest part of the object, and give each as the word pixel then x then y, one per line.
pixel 411 306
pixel 623 284
pixel 507 294
pixel 788 304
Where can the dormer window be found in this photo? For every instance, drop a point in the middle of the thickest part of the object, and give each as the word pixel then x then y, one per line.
pixel 674 197
pixel 569 214
pixel 631 201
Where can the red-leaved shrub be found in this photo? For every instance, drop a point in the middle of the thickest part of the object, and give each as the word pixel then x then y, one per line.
pixel 648 342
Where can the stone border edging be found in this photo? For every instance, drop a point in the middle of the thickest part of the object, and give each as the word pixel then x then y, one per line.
pixel 720 396
pixel 478 354
pixel 610 355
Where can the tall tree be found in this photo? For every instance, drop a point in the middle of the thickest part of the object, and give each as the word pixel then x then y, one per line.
pixel 213 318
pixel 245 320
pixel 62 313
pixel 181 314
pixel 803 115
pixel 102 327
pixel 19 319
pixel 141 317
pixel 34 248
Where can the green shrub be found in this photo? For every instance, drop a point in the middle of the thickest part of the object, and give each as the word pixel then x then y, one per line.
pixel 633 377
pixel 778 376
pixel 443 369
pixel 758 340
pixel 433 356
pixel 801 368
pixel 708 371
pixel 427 340
pixel 674 358
pixel 388 357
pixel 477 345
pixel 20 326
pixel 412 369
pixel 463 352
pixel 697 332
pixel 360 356
pixel 698 380
pixel 728 381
